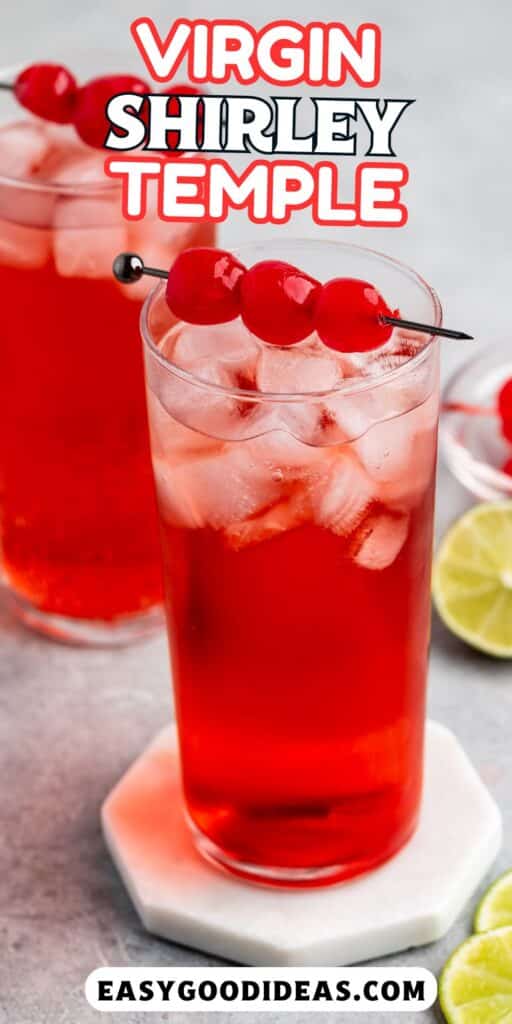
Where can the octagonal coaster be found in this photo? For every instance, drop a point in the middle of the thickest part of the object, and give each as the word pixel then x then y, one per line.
pixel 411 900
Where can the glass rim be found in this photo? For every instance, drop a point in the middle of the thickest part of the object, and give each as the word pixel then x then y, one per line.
pixel 102 185
pixel 60 188
pixel 347 386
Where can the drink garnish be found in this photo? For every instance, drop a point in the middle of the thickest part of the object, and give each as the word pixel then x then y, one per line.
pixel 502 409
pixel 475 983
pixel 495 907
pixel 277 302
pixel 89 117
pixel 350 315
pixel 51 92
pixel 504 406
pixel 203 283
pixel 472 580
pixel 47 90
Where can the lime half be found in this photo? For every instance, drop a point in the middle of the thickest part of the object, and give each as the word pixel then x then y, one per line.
pixel 476 984
pixel 472 582
pixel 495 907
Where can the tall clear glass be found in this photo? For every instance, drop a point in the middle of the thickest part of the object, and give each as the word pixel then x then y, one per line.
pixel 79 552
pixel 297 539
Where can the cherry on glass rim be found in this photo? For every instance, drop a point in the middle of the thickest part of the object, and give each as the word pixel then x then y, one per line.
pixel 90 119
pixel 47 90
pixel 348 315
pixel 203 286
pixel 277 302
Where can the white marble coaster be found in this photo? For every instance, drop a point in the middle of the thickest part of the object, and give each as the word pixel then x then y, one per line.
pixel 411 900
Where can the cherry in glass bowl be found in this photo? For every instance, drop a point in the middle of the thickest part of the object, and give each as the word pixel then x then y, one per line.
pixel 476 443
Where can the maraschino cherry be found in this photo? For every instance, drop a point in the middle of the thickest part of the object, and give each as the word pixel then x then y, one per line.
pixel 90 119
pixel 277 302
pixel 203 286
pixel 502 409
pixel 51 92
pixel 47 90
pixel 349 315
pixel 504 405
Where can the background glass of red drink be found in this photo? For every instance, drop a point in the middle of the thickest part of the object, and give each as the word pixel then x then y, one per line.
pixel 297 539
pixel 79 545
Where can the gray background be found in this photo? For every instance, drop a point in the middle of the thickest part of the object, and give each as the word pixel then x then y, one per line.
pixel 71 721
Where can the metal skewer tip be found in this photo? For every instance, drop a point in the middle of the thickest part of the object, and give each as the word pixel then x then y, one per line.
pixel 412 325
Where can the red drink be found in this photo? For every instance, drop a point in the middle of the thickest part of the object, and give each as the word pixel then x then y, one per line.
pixel 297 538
pixel 78 523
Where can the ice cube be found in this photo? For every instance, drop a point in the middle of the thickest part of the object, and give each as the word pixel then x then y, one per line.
pixel 399 455
pixel 218 490
pixel 213 410
pixel 77 167
pixel 89 232
pixel 229 346
pixel 286 515
pixel 385 450
pixel 176 498
pixel 344 496
pixel 380 540
pixel 284 454
pixel 223 355
pixel 27 206
pixel 24 146
pixel 301 370
pixel 402 346
pixel 89 227
pixel 171 440
pixel 297 370
pixel 21 246
pixel 356 412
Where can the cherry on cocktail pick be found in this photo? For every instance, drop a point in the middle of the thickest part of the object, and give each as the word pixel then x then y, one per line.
pixel 278 302
pixel 48 90
pixel 51 92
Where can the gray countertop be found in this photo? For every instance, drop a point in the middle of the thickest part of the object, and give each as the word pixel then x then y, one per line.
pixel 72 720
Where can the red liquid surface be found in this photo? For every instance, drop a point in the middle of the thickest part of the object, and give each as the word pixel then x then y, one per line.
pixel 300 684
pixel 77 508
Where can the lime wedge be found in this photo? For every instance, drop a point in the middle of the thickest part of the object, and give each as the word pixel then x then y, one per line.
pixel 472 582
pixel 495 907
pixel 476 984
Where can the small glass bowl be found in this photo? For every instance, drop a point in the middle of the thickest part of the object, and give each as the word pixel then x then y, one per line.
pixel 471 438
